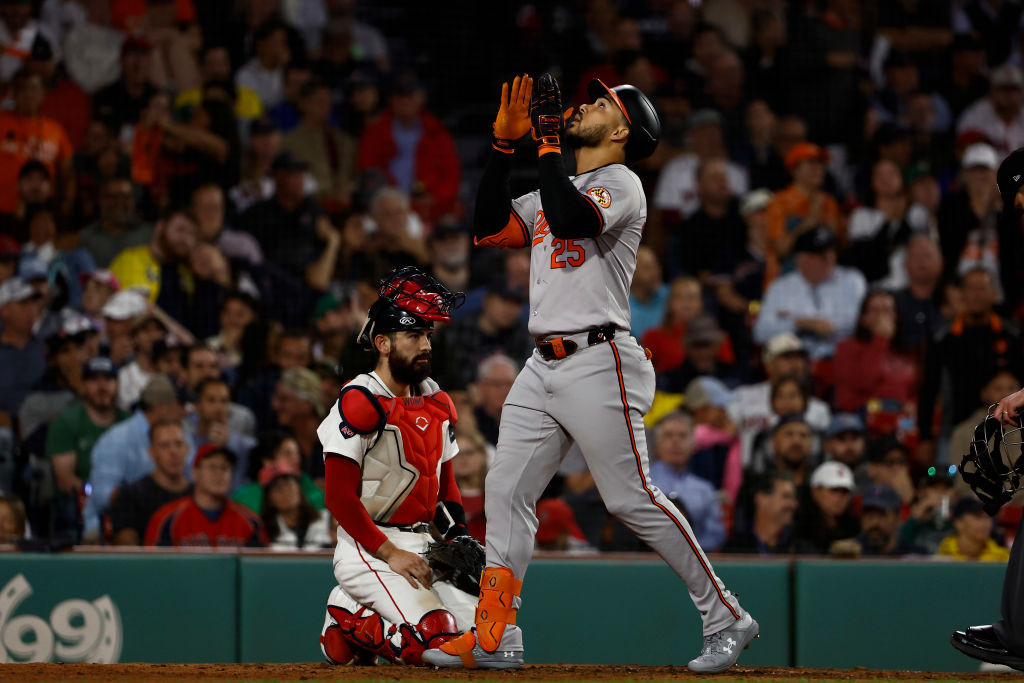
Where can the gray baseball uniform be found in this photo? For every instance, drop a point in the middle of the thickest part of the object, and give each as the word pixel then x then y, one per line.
pixel 596 396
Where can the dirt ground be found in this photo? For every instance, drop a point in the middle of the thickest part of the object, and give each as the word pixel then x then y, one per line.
pixel 323 672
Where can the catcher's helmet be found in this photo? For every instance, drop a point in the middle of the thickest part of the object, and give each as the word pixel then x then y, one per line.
pixel 994 467
pixel 644 124
pixel 409 300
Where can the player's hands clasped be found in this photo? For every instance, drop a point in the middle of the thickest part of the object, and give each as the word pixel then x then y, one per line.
pixel 513 120
pixel 410 565
pixel 546 111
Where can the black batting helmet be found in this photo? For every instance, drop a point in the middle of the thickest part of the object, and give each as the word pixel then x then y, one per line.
pixel 409 299
pixel 644 124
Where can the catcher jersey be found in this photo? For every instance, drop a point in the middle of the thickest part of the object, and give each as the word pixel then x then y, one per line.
pixel 577 284
pixel 401 462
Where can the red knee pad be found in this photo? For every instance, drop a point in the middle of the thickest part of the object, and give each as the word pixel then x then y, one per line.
pixel 363 631
pixel 433 630
pixel 336 649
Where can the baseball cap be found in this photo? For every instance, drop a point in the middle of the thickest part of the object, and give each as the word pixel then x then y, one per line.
pixel 32 268
pixel 881 497
pixel 286 161
pixel 789 418
pixel 305 384
pixel 703 117
pixel 124 305
pixel 275 470
pixel 707 391
pixel 76 324
pixel 844 422
pixel 100 365
pixel 833 475
pixel 754 201
pixel 16 289
pixel 1006 76
pixel 815 241
pixel 206 450
pixel 9 247
pixel 500 286
pixel 327 302
pixel 782 344
pixel 102 276
pixel 966 506
pixel 159 391
pixel 883 447
pixel 805 151
pixel 702 330
pixel 554 517
pixel 980 154
pixel 447 225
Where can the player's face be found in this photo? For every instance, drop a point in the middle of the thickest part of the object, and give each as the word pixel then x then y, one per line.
pixel 213 475
pixel 409 359
pixel 593 123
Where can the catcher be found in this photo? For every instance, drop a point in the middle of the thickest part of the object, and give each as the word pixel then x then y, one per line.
pixel 388 443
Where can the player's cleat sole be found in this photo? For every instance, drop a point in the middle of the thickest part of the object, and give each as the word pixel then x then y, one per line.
pixel 723 648
pixel 509 654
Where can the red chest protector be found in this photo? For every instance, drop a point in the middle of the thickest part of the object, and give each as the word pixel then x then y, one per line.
pixel 400 470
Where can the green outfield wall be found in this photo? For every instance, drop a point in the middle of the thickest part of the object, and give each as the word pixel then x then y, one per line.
pixel 192 607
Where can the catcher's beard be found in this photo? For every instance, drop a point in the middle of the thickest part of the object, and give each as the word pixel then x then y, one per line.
pixel 409 370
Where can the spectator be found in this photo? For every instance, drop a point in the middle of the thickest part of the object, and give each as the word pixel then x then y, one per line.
pixel 889 464
pixel 879 233
pixel 770 530
pixel 705 346
pixel 118 226
pixel 121 103
pixel 970 231
pixel 215 67
pixel 264 73
pixel 331 154
pixel 494 378
pixel 902 84
pixel 210 423
pixel 32 136
pixel 1002 383
pixel 286 114
pixel 998 115
pixel 675 195
pixel 966 352
pixel 826 517
pixel 648 293
pixel 880 524
pixel 13 519
pixel 121 455
pixel 361 107
pixel 716 456
pixel 298 404
pixel 201 363
pixel 35 191
pixel 784 354
pixel 98 286
pixel 759 152
pixel 237 311
pixel 207 518
pixel 411 146
pixel 694 247
pixel 667 342
pixel 295 236
pixel 119 314
pixel 917 304
pixel 21 352
pixel 929 521
pixel 845 442
pixel 279 449
pixel 133 505
pixel 818 301
pixel 872 364
pixel 289 519
pixel 10 253
pixel 801 207
pixel 789 395
pixel 73 433
pixel 965 82
pixel 449 246
pixel 132 378
pixel 291 349
pixel 972 538
pixel 332 324
pixel 467 340
pixel 470 469
pixel 395 236
pixel 673 447
pixel 792 449
pixel 209 211
pixel 255 181
pixel 766 59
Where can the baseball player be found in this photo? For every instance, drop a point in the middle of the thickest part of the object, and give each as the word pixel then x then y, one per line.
pixel 388 443
pixel 587 381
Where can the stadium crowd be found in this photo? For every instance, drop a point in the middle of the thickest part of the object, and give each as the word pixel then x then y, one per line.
pixel 197 199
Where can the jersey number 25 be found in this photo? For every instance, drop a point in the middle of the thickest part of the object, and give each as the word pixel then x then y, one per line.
pixel 572 250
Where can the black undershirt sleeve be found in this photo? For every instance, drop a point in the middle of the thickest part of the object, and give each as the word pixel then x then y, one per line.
pixel 569 212
pixel 493 196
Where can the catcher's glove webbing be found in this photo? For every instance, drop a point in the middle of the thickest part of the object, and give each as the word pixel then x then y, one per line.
pixel 459 561
pixel 994 467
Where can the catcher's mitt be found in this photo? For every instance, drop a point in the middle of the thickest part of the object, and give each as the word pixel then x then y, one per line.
pixel 459 561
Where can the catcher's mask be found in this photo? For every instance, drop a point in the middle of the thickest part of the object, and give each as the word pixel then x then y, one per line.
pixel 994 467
pixel 409 300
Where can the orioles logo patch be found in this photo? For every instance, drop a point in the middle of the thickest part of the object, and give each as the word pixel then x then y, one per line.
pixel 601 196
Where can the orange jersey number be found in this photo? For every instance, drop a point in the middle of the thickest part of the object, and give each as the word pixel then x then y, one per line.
pixel 573 251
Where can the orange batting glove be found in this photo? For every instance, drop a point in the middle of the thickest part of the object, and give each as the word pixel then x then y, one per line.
pixel 513 120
